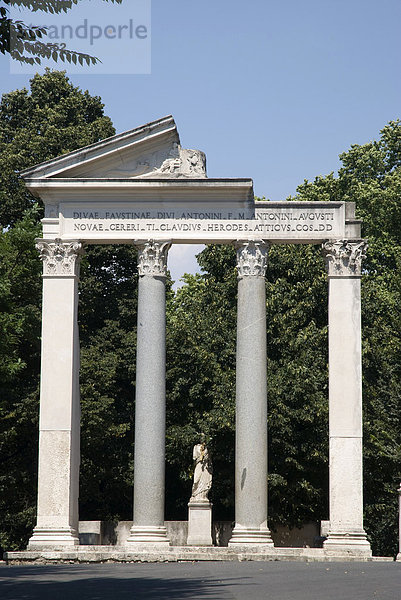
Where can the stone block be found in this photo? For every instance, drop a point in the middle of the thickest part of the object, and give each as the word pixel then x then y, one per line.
pixel 199 524
pixel 90 533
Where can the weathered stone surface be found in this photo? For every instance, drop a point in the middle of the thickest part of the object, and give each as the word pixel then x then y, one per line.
pixel 90 533
pixel 150 400
pixel 202 482
pixel 344 263
pixel 88 554
pixel 251 400
pixel 344 257
pixel 199 524
pixel 142 187
pixel 152 259
pixel 152 150
pixel 57 513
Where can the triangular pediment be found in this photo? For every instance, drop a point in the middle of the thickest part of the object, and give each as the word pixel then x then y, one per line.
pixel 150 151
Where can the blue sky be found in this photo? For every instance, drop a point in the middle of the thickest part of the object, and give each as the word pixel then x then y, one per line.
pixel 272 90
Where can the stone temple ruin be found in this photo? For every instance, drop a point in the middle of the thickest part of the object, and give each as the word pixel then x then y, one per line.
pixel 141 187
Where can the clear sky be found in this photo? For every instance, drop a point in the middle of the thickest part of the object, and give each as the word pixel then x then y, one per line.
pixel 272 90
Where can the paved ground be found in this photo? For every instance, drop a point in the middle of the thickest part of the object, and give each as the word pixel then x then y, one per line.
pixel 199 581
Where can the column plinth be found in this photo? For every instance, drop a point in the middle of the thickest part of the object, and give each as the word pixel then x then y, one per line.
pixel 251 399
pixel 344 264
pixel 59 423
pixel 150 398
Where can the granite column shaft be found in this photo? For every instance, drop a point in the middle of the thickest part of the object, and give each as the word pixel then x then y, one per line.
pixel 251 399
pixel 150 399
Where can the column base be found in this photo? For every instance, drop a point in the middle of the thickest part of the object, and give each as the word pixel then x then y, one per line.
pixel 247 535
pixel 53 537
pixel 148 534
pixel 398 559
pixel 199 524
pixel 355 541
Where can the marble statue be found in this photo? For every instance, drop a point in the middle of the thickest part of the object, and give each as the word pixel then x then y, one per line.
pixel 202 474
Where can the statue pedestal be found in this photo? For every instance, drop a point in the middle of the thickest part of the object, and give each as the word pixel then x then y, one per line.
pixel 199 524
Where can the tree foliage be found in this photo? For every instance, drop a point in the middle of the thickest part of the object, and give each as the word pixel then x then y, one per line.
pixel 201 379
pixel 107 318
pixel 52 118
pixel 202 356
pixel 25 42
pixel 371 177
pixel 20 285
pixel 201 325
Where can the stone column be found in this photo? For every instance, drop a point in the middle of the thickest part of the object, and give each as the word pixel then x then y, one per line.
pixel 251 402
pixel 150 400
pixel 344 264
pixel 59 458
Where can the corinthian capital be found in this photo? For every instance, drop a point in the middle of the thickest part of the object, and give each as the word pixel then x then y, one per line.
pixel 251 258
pixel 344 258
pixel 60 258
pixel 152 258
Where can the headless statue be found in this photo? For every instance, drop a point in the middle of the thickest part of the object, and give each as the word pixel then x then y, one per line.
pixel 202 474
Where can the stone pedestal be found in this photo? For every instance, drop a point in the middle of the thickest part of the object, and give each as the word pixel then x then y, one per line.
pixel 346 532
pixel 251 399
pixel 150 399
pixel 58 477
pixel 199 524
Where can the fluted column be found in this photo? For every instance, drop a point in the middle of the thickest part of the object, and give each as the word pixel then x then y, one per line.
pixel 59 454
pixel 344 265
pixel 150 400
pixel 251 399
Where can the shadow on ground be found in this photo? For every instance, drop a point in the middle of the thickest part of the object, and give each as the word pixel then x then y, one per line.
pixel 203 581
pixel 68 582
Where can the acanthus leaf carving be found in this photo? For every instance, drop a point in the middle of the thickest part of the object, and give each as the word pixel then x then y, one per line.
pixel 60 258
pixel 252 258
pixel 344 257
pixel 152 258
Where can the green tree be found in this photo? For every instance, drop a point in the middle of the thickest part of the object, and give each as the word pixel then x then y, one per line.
pixel 201 380
pixel 20 284
pixel 25 43
pixel 107 318
pixel 371 177
pixel 201 355
pixel 52 118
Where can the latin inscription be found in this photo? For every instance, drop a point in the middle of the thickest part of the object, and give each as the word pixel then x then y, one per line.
pixel 162 227
pixel 132 215
pixel 282 223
